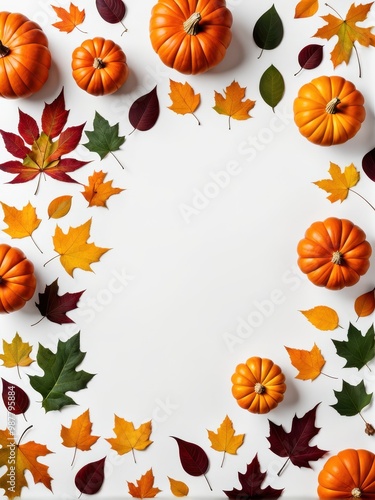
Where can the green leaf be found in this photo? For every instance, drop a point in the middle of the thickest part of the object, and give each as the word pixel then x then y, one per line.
pixel 268 30
pixel 359 349
pixel 351 399
pixel 60 374
pixel 272 86
pixel 104 138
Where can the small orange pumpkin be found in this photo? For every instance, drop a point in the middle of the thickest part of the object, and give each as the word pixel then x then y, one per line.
pixel 25 59
pixel 99 66
pixel 258 385
pixel 329 110
pixel 349 474
pixel 17 279
pixel 334 253
pixel 191 36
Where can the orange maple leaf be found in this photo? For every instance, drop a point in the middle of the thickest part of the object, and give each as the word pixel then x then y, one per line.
pixel 184 99
pixel 232 103
pixel 21 222
pixel 145 486
pixel 69 19
pixel 97 191
pixel 225 439
pixel 78 435
pixel 308 363
pixel 340 183
pixel 306 8
pixel 128 438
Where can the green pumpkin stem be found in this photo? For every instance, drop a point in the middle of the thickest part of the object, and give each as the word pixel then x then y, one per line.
pixel 331 107
pixel 191 25
pixel 4 51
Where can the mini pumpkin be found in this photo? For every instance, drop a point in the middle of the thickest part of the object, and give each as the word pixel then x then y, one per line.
pixel 17 279
pixel 329 110
pixel 191 36
pixel 334 253
pixel 25 59
pixel 258 385
pixel 349 474
pixel 99 66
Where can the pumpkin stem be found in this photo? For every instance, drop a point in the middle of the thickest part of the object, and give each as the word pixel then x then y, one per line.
pixel 369 429
pixel 98 63
pixel 259 388
pixel 337 257
pixel 331 107
pixel 191 25
pixel 356 493
pixel 4 51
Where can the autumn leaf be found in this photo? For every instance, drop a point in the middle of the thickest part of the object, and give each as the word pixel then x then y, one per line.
pixel 193 458
pixel 16 353
pixel 347 33
pixel 364 304
pixel 232 103
pixel 225 439
pixel 358 349
pixel 310 57
pixel 97 192
pixel 128 438
pixel 73 249
pixel 340 183
pixel 306 8
pixel 69 19
pixel 21 222
pixel 144 111
pixel 25 460
pixel 184 99
pixel 272 86
pixel 89 479
pixel 268 30
pixel 15 399
pixel 308 363
pixel 59 206
pixel 144 487
pixel 322 317
pixel 178 488
pixel 78 435
pixel 112 11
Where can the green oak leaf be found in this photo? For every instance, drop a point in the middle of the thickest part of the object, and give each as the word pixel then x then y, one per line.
pixel 105 138
pixel 351 399
pixel 359 349
pixel 60 374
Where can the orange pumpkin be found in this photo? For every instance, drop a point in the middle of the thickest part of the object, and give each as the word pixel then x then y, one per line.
pixel 349 474
pixel 334 253
pixel 99 66
pixel 191 36
pixel 329 110
pixel 17 279
pixel 25 59
pixel 258 385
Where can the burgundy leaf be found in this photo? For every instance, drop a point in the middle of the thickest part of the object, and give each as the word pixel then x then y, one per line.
pixel 54 306
pixel 65 165
pixel 15 399
pixel 90 477
pixel 14 144
pixel 368 164
pixel 144 112
pixel 16 167
pixel 27 128
pixel 67 142
pixel 13 167
pixel 310 56
pixel 54 116
pixel 112 11
pixel 251 482
pixel 194 459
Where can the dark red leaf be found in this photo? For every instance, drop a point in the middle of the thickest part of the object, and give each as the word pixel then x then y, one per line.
pixel 65 165
pixel 90 477
pixel 144 112
pixel 16 167
pixel 54 116
pixel 27 128
pixel 54 306
pixel 14 144
pixel 15 399
pixel 67 142
pixel 368 164
pixel 112 11
pixel 251 482
pixel 194 459
pixel 310 56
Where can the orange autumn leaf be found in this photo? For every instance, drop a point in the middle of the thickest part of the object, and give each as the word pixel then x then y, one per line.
pixel 97 191
pixel 178 488
pixel 145 486
pixel 59 206
pixel 16 353
pixel 225 439
pixel 364 305
pixel 306 8
pixel 78 435
pixel 322 317
pixel 69 19
pixel 21 223
pixel 128 438
pixel 232 103
pixel 308 363
pixel 184 99
pixel 340 183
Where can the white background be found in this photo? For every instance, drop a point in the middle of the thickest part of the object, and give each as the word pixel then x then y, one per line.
pixel 166 314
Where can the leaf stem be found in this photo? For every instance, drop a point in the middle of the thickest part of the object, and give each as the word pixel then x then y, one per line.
pixel 334 10
pixel 283 467
pixel 196 118
pixel 125 28
pixel 135 461
pixel 363 198
pixel 329 376
pixel 39 320
pixel 52 258
pixel 222 462
pixel 118 161
pixel 35 243
pixel 37 186
pixel 358 61
pixel 207 481
pixel 74 456
pixel 24 432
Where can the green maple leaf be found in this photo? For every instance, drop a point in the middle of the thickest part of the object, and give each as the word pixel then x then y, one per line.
pixel 105 138
pixel 60 374
pixel 359 349
pixel 351 399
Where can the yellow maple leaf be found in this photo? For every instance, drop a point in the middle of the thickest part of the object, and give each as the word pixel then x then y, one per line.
pixel 145 486
pixel 184 99
pixel 21 223
pixel 225 439
pixel 78 435
pixel 306 8
pixel 308 363
pixel 69 19
pixel 322 317
pixel 73 249
pixel 178 488
pixel 340 183
pixel 128 438
pixel 232 103
pixel 97 191
pixel 16 353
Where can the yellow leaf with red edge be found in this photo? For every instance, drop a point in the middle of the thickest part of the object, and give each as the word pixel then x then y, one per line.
pixel 340 183
pixel 69 19
pixel 144 487
pixel 322 317
pixel 225 439
pixel 233 102
pixel 97 192
pixel 128 438
pixel 178 488
pixel 184 99
pixel 364 305
pixel 79 435
pixel 306 8
pixel 16 353
pixel 308 363
pixel 21 223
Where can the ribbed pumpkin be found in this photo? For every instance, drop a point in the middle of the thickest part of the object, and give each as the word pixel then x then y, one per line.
pixel 334 253
pixel 17 279
pixel 191 36
pixel 349 474
pixel 329 110
pixel 99 66
pixel 258 385
pixel 25 59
